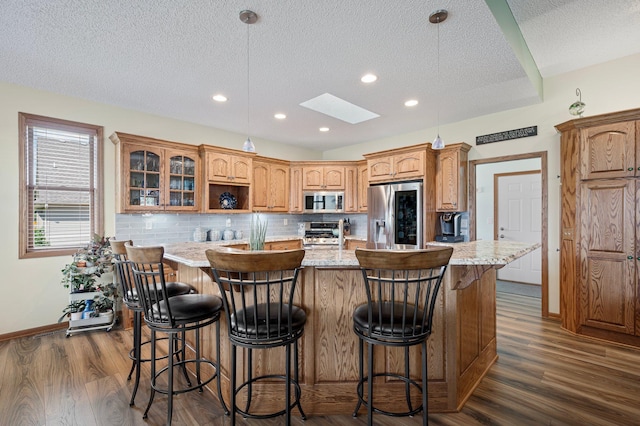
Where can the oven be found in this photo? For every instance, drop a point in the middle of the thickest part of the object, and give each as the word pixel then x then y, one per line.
pixel 320 235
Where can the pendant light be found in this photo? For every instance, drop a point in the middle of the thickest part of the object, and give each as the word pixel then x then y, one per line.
pixel 436 18
pixel 248 17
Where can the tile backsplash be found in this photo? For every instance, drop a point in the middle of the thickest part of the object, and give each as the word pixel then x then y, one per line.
pixel 157 228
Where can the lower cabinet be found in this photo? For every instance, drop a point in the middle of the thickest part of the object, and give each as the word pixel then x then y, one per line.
pixel 607 292
pixel 283 245
pixel 354 244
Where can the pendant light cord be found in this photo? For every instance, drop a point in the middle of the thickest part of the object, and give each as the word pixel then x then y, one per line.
pixel 248 111
pixel 438 67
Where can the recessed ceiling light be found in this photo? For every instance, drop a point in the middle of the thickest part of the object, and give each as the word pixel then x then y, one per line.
pixel 324 129
pixel 369 78
pixel 220 98
pixel 411 103
pixel 280 116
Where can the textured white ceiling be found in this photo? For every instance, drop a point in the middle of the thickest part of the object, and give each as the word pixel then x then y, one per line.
pixel 168 57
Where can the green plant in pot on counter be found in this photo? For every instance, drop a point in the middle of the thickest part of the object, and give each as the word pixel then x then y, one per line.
pixel 258 232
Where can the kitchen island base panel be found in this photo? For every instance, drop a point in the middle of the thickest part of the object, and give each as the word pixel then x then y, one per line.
pixel 460 351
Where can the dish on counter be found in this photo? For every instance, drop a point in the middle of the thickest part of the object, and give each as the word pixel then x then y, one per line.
pixel 228 201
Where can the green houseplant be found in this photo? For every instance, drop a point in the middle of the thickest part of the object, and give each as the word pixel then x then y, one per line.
pixel 74 307
pixel 89 263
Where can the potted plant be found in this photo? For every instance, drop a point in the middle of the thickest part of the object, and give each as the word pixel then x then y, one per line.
pixel 73 310
pixel 89 263
pixel 103 307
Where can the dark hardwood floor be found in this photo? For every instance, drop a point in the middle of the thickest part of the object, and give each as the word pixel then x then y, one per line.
pixel 544 376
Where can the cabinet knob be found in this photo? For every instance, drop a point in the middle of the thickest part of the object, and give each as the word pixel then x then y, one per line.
pixel 630 257
pixel 630 169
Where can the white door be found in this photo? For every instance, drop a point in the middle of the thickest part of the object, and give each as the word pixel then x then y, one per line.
pixel 519 217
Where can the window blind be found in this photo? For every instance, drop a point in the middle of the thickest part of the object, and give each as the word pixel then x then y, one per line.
pixel 62 185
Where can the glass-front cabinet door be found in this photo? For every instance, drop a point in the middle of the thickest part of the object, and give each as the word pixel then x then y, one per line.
pixel 145 179
pixel 181 181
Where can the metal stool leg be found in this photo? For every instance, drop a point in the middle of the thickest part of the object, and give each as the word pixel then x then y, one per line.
pixel 370 387
pixel 152 394
pixel 407 384
pixel 425 399
pixel 361 366
pixel 218 372
pixel 137 344
pixel 296 378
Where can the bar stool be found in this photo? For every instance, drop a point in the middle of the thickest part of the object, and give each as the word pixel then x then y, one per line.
pixel 258 289
pixel 172 315
pixel 124 277
pixel 402 287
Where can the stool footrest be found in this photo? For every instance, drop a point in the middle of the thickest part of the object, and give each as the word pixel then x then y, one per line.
pixel 294 403
pixel 360 391
pixel 190 388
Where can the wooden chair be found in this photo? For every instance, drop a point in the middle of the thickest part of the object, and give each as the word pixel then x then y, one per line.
pixel 258 289
pixel 401 287
pixel 173 315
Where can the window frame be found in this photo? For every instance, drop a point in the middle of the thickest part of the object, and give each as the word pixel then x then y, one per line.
pixel 25 204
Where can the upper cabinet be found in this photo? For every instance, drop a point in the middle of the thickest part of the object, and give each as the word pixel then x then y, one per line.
pixel 351 191
pixel 451 178
pixel 396 165
pixel 323 177
pixel 270 185
pixel 156 175
pixel 363 185
pixel 609 151
pixel 228 168
pixel 227 177
pixel 296 203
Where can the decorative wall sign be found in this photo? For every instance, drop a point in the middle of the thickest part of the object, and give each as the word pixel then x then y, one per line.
pixel 525 132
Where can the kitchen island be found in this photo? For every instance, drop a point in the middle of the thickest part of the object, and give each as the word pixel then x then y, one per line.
pixel 461 348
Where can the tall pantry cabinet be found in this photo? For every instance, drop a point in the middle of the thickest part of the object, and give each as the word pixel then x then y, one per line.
pixel 600 226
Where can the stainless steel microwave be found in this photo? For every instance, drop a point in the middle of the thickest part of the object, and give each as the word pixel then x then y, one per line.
pixel 323 202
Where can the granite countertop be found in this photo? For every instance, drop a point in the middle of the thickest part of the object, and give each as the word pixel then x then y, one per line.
pixel 472 253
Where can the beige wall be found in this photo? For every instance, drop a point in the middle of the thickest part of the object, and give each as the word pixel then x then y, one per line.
pixel 609 87
pixel 40 297
pixel 36 282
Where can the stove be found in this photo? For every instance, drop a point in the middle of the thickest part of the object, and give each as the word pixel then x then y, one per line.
pixel 320 235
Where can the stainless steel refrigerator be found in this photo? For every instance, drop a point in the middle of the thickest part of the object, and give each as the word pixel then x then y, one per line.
pixel 394 213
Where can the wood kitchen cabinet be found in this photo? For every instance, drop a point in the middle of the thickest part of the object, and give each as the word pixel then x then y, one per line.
pixel 296 201
pixel 609 151
pixel 155 175
pixel 323 177
pixel 396 165
pixel 283 245
pixel 270 185
pixel 363 186
pixel 226 171
pixel 600 241
pixel 351 190
pixel 451 178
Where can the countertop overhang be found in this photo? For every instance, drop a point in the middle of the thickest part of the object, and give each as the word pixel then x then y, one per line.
pixel 483 252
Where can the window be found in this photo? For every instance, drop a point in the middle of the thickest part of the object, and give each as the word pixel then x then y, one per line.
pixel 61 195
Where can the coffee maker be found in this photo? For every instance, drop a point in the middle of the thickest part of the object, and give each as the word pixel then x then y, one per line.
pixel 450 228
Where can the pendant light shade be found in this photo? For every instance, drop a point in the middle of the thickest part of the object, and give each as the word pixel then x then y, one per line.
pixel 436 18
pixel 248 17
pixel 438 143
